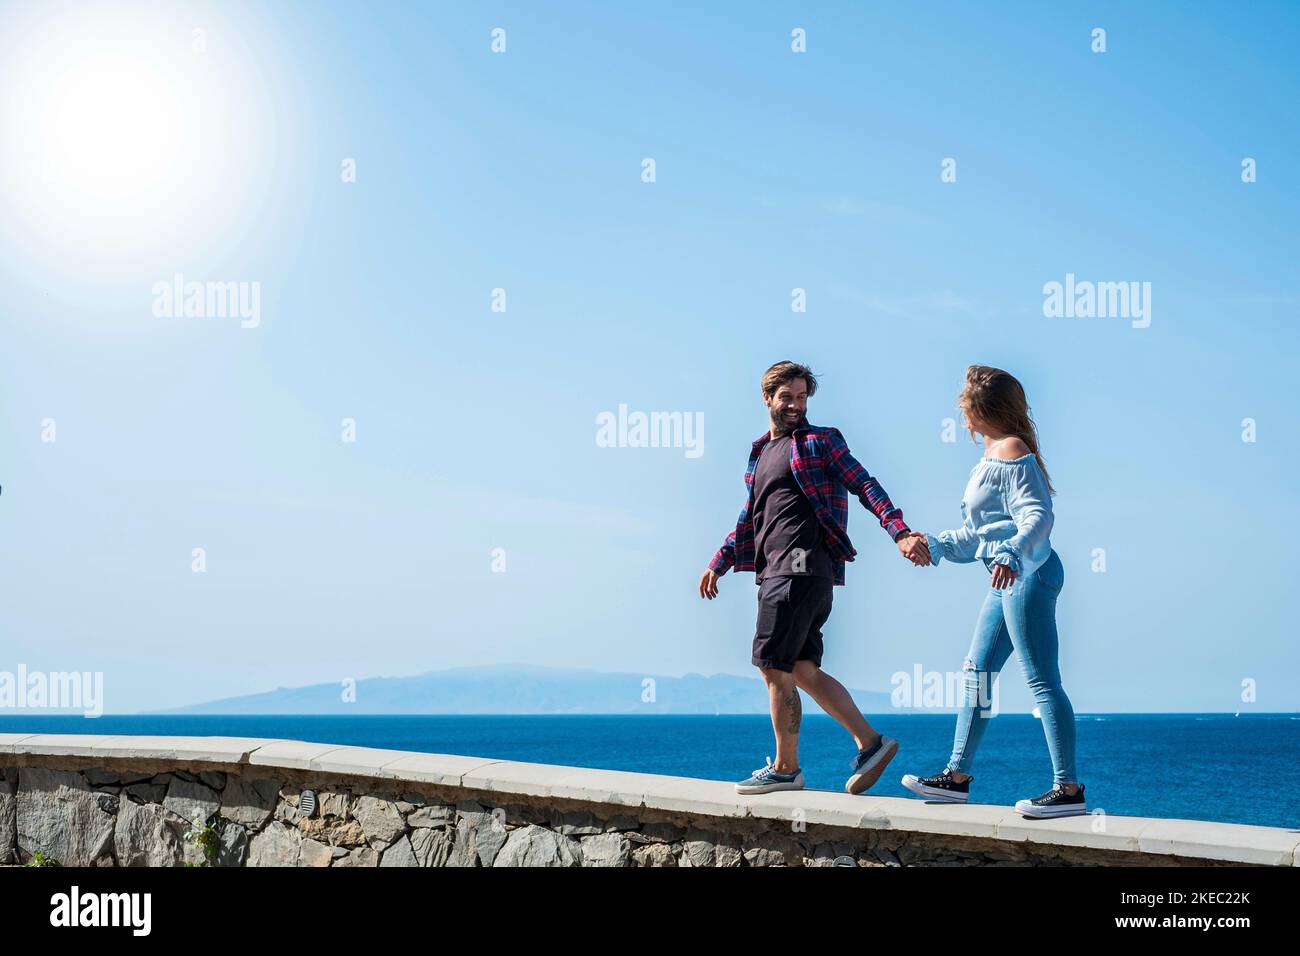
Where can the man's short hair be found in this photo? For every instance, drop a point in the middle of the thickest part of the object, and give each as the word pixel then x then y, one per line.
pixel 783 373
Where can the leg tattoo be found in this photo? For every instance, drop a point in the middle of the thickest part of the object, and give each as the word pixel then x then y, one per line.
pixel 794 706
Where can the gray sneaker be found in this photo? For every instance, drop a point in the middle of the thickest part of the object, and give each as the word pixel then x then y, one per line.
pixel 869 764
pixel 765 779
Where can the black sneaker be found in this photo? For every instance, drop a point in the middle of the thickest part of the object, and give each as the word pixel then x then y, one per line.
pixel 939 787
pixel 869 764
pixel 1054 803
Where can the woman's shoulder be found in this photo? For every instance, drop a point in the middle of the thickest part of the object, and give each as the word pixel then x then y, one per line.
pixel 1011 464
pixel 1011 448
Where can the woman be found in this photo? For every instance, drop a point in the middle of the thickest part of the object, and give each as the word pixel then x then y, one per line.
pixel 1007 512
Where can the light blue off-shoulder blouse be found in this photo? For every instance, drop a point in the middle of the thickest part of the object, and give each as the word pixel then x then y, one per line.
pixel 1006 517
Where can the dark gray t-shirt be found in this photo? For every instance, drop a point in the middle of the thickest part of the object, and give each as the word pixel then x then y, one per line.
pixel 784 523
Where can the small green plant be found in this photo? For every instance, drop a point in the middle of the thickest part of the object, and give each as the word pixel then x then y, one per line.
pixel 40 859
pixel 206 837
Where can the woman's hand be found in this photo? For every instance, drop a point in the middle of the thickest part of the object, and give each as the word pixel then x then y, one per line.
pixel 915 547
pixel 1003 577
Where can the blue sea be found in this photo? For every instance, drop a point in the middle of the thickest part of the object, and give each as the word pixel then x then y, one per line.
pixel 1190 766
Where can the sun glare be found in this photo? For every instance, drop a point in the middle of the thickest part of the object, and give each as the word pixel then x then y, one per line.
pixel 108 130
pixel 119 134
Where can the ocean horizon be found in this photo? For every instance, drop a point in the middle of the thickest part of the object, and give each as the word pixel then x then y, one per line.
pixel 1207 766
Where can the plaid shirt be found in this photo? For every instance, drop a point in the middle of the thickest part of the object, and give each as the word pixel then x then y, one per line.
pixel 823 469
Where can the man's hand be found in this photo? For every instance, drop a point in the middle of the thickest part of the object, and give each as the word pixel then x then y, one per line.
pixel 709 585
pixel 1003 577
pixel 915 547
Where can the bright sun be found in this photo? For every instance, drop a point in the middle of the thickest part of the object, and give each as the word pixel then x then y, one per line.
pixel 119 135
pixel 108 130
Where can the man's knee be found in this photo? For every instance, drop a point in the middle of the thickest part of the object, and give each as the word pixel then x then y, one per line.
pixel 775 677
pixel 806 672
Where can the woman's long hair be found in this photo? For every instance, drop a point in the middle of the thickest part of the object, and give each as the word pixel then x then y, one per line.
pixel 996 398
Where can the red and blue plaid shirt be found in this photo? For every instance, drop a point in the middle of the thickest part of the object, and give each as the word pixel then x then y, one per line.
pixel 824 470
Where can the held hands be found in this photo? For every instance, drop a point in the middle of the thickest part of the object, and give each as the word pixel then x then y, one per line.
pixel 915 547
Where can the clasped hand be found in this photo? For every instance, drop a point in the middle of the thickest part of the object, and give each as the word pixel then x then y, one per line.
pixel 915 547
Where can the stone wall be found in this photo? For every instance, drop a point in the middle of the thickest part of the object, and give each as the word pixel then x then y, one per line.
pixel 156 807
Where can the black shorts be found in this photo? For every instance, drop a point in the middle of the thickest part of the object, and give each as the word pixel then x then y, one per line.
pixel 791 612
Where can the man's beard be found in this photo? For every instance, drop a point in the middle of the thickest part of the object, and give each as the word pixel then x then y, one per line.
pixel 784 426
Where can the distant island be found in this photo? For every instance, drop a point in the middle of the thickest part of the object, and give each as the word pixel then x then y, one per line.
pixel 521 689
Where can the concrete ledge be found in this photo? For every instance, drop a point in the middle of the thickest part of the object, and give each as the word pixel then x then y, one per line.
pixel 231 750
pixel 1264 846
pixel 705 802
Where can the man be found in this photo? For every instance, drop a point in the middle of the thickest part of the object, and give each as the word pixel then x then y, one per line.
pixel 792 533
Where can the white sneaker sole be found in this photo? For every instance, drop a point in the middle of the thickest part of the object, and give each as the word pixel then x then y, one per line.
pixel 867 776
pixel 912 782
pixel 1026 809
pixel 795 784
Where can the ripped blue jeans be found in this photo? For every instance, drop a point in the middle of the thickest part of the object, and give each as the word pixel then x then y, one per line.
pixel 1020 618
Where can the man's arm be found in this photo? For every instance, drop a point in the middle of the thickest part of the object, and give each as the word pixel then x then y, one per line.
pixel 725 556
pixel 848 472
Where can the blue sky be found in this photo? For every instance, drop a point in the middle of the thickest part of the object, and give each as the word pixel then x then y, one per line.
pixel 476 429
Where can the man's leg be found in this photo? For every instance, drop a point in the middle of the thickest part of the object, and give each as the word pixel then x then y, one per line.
pixel 829 693
pixel 778 636
pixel 833 698
pixel 787 714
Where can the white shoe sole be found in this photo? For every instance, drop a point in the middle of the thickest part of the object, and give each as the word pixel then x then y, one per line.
pixel 795 784
pixel 912 782
pixel 867 776
pixel 1042 813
